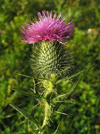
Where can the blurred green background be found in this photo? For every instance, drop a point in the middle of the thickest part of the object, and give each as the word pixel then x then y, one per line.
pixel 84 115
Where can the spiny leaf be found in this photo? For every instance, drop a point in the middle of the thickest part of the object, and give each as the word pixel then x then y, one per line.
pixel 24 75
pixel 56 130
pixel 28 93
pixel 64 96
pixel 27 116
pixel 82 71
pixel 61 113
pixel 72 89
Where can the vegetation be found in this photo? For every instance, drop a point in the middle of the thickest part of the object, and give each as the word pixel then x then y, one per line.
pixel 16 74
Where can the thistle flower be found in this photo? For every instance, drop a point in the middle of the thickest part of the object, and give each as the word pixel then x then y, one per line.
pixel 51 28
pixel 50 31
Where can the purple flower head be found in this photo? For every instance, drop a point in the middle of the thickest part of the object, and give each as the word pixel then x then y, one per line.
pixel 48 27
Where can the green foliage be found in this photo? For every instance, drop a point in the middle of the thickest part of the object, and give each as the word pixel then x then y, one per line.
pixel 84 111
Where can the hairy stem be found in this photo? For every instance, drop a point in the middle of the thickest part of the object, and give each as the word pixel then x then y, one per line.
pixel 47 114
pixel 48 85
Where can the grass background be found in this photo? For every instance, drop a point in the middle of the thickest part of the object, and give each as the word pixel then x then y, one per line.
pixel 84 115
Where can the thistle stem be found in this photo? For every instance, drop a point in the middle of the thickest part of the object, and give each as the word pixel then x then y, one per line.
pixel 48 85
pixel 47 114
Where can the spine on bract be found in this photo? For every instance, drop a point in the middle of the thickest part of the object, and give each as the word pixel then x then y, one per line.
pixel 51 58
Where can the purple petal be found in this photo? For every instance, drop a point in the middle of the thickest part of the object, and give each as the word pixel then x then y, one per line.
pixel 48 27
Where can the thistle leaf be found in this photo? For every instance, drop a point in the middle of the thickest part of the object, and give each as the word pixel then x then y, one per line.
pixel 72 89
pixel 82 71
pixel 56 130
pixel 28 93
pixel 64 97
pixel 24 75
pixel 61 113
pixel 26 115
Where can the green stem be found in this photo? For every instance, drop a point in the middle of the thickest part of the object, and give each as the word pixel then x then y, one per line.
pixel 47 114
pixel 48 85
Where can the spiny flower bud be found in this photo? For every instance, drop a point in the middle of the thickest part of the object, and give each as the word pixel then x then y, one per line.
pixel 50 58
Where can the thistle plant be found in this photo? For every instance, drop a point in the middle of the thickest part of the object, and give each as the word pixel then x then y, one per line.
pixel 50 60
